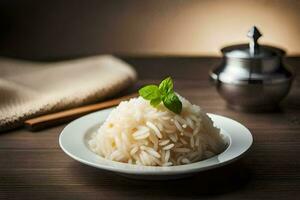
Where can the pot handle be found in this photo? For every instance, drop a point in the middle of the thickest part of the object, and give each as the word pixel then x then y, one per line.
pixel 214 79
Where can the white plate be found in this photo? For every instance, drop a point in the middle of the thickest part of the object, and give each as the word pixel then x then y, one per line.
pixel 74 137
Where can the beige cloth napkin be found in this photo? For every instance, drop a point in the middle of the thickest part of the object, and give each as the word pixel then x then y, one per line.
pixel 29 89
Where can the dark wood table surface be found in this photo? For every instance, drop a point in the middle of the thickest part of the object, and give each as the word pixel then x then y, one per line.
pixel 32 166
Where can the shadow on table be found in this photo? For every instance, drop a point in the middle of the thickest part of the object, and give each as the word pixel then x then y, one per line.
pixel 217 181
pixel 291 102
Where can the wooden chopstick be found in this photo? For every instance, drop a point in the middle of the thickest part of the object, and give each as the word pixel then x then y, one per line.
pixel 45 121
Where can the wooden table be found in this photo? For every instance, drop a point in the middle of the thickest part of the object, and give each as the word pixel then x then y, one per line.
pixel 32 166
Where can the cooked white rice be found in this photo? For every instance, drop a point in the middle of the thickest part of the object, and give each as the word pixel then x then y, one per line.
pixel 137 133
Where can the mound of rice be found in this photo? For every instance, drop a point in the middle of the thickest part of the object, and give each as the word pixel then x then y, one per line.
pixel 137 133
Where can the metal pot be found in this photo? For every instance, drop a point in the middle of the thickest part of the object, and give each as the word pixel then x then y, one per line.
pixel 252 77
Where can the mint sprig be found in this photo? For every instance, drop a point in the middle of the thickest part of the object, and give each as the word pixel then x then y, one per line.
pixel 162 93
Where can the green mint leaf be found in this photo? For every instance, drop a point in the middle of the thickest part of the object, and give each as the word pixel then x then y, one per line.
pixel 150 92
pixel 166 86
pixel 172 102
pixel 155 102
pixel 162 93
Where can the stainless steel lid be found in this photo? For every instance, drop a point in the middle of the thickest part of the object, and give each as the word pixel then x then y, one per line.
pixel 252 50
pixel 243 51
pixel 251 63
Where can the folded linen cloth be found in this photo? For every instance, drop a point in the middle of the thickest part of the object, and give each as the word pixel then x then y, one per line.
pixel 29 89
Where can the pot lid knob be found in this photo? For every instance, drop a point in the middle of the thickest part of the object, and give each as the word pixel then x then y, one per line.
pixel 254 35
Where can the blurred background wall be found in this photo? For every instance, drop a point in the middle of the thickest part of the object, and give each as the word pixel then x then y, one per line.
pixel 67 28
